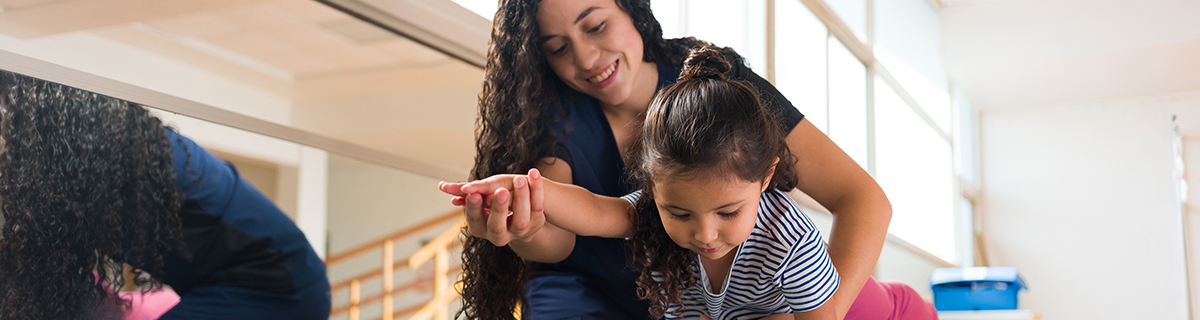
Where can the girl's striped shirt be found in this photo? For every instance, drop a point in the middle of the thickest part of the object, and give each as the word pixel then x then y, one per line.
pixel 781 268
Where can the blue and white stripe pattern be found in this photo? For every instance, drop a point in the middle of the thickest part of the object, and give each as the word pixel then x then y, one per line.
pixel 782 267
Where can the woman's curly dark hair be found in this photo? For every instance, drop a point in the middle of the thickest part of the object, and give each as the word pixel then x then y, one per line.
pixel 520 104
pixel 702 124
pixel 88 185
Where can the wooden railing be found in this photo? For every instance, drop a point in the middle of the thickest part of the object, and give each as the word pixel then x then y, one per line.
pixel 438 250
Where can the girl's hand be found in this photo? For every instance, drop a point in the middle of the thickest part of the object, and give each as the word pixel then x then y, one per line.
pixel 514 207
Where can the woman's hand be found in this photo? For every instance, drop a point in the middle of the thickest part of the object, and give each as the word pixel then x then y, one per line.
pixel 501 208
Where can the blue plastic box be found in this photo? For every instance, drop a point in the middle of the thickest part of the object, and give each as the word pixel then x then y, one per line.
pixel 983 288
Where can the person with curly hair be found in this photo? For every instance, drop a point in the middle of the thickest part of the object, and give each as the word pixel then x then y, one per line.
pixel 713 226
pixel 90 184
pixel 567 85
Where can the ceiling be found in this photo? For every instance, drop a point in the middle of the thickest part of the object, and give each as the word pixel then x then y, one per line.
pixel 344 78
pixel 1018 53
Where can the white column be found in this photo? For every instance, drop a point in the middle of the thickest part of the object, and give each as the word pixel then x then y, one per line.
pixel 311 194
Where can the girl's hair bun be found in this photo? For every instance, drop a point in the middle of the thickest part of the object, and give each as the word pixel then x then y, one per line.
pixel 704 62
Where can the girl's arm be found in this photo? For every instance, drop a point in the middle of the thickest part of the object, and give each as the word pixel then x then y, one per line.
pixel 584 213
pixel 860 208
pixel 569 207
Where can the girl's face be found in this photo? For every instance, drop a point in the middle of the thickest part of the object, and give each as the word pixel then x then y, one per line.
pixel 709 214
pixel 592 46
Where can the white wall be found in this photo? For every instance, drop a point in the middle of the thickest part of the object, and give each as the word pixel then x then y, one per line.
pixel 1079 197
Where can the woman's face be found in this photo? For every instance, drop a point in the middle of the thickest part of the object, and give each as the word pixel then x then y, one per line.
pixel 708 214
pixel 592 45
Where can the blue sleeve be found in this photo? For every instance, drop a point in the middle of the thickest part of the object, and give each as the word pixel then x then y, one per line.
pixel 201 175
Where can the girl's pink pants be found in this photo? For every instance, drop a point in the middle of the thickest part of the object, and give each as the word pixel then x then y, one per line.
pixel 889 300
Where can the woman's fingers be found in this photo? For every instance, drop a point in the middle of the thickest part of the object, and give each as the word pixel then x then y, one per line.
pixel 536 193
pixel 500 208
pixel 520 207
pixel 497 220
pixel 476 221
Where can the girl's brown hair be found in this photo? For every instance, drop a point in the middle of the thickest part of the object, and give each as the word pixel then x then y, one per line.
pixel 520 102
pixel 704 123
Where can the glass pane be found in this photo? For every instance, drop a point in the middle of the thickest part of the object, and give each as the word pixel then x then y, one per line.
pixel 908 44
pixel 847 102
pixel 966 139
pixel 800 62
pixel 854 14
pixel 738 25
pixel 913 165
pixel 368 202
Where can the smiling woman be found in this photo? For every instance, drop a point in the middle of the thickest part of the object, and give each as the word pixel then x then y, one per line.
pixel 566 89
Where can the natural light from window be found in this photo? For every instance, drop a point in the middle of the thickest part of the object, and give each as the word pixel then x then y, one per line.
pixel 914 167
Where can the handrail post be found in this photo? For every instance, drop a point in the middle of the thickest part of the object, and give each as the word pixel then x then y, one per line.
pixel 440 266
pixel 387 279
pixel 354 299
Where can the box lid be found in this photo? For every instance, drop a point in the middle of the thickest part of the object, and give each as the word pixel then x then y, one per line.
pixel 944 276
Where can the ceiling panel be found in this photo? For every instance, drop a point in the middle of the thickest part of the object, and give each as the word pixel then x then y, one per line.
pixel 307 36
pixel 309 10
pixel 198 24
pixel 258 15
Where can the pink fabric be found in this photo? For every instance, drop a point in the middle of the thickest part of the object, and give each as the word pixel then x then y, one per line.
pixel 146 306
pixel 150 305
pixel 889 300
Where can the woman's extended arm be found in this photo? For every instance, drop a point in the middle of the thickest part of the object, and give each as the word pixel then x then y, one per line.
pixel 860 208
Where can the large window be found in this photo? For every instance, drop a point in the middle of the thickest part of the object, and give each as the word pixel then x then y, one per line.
pixel 848 102
pixel 853 13
pixel 914 166
pixel 737 24
pixel 801 64
pixel 888 104
pixel 906 42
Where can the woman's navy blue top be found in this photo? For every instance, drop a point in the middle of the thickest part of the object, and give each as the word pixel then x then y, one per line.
pixel 598 279
pixel 235 236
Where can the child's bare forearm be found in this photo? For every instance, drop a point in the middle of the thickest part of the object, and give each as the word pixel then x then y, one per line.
pixel 579 211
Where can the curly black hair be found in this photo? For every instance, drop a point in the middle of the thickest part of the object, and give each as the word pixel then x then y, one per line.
pixel 704 123
pixel 88 185
pixel 519 104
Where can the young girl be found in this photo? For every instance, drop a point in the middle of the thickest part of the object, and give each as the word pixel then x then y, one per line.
pixel 714 169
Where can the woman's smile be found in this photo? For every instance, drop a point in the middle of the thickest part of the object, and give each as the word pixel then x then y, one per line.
pixel 604 77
